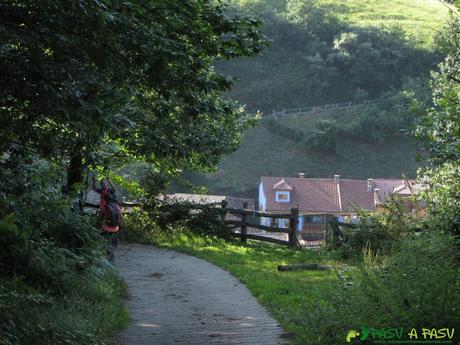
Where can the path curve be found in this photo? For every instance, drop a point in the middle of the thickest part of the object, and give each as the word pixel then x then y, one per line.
pixel 174 298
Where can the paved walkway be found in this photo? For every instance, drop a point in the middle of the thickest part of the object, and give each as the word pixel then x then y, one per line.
pixel 175 298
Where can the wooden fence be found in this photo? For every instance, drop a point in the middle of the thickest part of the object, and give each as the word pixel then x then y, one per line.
pixel 243 218
pixel 307 110
pixel 250 219
pixel 335 234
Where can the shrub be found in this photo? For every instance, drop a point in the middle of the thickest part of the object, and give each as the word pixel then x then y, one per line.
pixel 323 136
pixel 417 286
pixel 165 218
pixel 443 198
pixel 378 232
pixel 54 287
pixel 14 246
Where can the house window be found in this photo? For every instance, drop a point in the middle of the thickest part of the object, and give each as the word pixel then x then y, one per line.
pixel 283 223
pixel 282 196
pixel 314 219
pixel 317 219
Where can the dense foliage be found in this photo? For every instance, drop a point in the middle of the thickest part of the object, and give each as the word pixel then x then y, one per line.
pixel 441 124
pixel 375 123
pixel 93 83
pixel 55 286
pixel 171 218
pixel 317 56
pixel 138 74
pixel 408 259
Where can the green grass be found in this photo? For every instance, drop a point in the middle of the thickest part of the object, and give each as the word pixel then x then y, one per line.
pixel 92 312
pixel 419 17
pixel 305 123
pixel 295 299
pixel 263 153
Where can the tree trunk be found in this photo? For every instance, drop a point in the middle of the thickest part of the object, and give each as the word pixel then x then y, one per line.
pixel 75 168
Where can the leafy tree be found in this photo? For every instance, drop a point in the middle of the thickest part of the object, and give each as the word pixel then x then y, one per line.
pixel 441 123
pixel 79 75
pixel 317 56
pixel 316 19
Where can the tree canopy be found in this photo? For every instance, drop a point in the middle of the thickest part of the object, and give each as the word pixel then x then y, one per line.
pixel 441 125
pixel 137 75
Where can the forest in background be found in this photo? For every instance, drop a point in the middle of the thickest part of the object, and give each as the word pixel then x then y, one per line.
pixel 326 52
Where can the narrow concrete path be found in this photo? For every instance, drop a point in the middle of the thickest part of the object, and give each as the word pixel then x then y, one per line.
pixel 175 298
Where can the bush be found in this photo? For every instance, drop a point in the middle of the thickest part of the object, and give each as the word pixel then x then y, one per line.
pixel 54 286
pixel 418 286
pixel 87 315
pixel 377 232
pixel 166 218
pixel 323 136
pixel 443 198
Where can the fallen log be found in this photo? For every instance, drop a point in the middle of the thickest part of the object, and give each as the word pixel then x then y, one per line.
pixel 297 267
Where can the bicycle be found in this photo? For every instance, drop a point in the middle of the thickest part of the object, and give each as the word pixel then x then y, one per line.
pixel 111 245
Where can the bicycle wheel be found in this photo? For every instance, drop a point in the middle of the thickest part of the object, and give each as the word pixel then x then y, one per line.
pixel 111 247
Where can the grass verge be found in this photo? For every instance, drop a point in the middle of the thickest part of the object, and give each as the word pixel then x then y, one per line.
pixel 90 312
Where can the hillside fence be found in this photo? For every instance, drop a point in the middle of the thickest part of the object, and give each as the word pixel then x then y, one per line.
pixel 317 108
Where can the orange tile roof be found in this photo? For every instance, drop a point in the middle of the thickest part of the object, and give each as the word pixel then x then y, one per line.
pixel 325 195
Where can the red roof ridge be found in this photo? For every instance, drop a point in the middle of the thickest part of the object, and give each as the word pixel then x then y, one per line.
pixel 282 184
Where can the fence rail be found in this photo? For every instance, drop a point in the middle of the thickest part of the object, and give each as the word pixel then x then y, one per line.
pixel 243 223
pixel 312 233
pixel 257 213
pixel 308 110
pixel 121 204
pixel 335 234
pixel 330 231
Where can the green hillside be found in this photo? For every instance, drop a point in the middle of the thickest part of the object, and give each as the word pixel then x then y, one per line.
pixel 264 153
pixel 323 52
pixel 416 16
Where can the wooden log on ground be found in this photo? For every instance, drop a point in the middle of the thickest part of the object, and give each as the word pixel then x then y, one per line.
pixel 298 267
pixel 261 238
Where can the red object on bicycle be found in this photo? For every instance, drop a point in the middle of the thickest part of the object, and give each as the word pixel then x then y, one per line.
pixel 108 228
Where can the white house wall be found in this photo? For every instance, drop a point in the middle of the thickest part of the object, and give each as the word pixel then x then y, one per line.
pixel 263 205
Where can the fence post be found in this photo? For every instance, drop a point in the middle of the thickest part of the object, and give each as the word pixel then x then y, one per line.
pixel 293 221
pixel 244 229
pixel 328 234
pixel 223 211
pixel 334 229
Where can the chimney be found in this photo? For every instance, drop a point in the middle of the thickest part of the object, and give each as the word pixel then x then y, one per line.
pixel 376 197
pixel 336 178
pixel 339 195
pixel 301 175
pixel 370 185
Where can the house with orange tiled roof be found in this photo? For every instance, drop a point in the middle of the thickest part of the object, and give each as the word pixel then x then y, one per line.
pixel 317 197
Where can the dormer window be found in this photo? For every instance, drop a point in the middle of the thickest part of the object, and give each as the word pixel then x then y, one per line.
pixel 282 196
